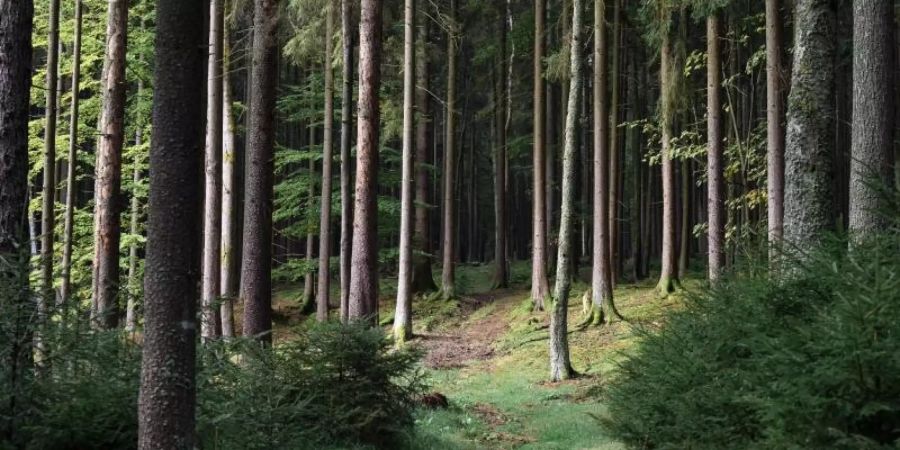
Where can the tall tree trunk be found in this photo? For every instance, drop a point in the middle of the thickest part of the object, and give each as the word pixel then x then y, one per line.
pixel 422 279
pixel 540 286
pixel 66 284
pixel 48 204
pixel 448 250
pixel 715 164
pixel 872 152
pixel 614 150
pixel 228 278
pixel 774 127
pixel 668 277
pixel 808 202
pixel 684 240
pixel 212 209
pixel 501 260
pixel 309 288
pixel 256 271
pixel 363 266
pixel 107 190
pixel 634 142
pixel 167 389
pixel 560 365
pixel 347 36
pixel 134 229
pixel 403 312
pixel 603 308
pixel 324 291
pixel 15 88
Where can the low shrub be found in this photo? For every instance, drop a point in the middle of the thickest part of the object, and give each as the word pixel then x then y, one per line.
pixel 811 360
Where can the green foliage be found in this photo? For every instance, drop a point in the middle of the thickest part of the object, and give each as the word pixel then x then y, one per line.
pixel 807 361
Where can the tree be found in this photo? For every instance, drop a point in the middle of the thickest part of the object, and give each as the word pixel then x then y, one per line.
pixel 363 266
pixel 715 185
pixel 347 35
pixel 448 247
pixel 613 131
pixel 810 129
pixel 256 271
pixel 560 365
pixel 540 286
pixel 501 263
pixel 107 190
pixel 168 388
pixel 422 278
pixel 871 162
pixel 212 202
pixel 48 208
pixel 134 229
pixel 327 143
pixel 66 286
pixel 403 312
pixel 668 277
pixel 228 279
pixel 774 125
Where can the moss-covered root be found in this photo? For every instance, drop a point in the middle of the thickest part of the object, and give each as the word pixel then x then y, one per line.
pixel 401 334
pixel 595 315
pixel 666 286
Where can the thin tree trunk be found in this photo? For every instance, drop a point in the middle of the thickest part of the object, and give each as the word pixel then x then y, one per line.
pixel 212 209
pixel 324 291
pixel 774 128
pixel 614 149
pixel 134 229
pixel 347 36
pixel 715 164
pixel 65 285
pixel 422 278
pixel 228 278
pixel 309 282
pixel 668 277
pixel 634 142
pixel 403 312
pixel 872 152
pixel 168 390
pixel 540 286
pixel 256 270
pixel 48 204
pixel 363 266
pixel 448 250
pixel 501 264
pixel 560 365
pixel 808 202
pixel 684 247
pixel 107 191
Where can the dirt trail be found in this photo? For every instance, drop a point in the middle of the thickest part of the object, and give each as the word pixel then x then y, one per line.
pixel 473 340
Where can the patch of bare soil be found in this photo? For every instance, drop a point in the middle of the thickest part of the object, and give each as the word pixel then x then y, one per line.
pixel 474 341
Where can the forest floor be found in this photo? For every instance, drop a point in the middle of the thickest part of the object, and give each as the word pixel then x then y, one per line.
pixel 487 352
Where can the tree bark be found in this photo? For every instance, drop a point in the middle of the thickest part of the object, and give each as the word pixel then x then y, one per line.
pixel 309 282
pixel 540 286
pixel 808 202
pixel 212 209
pixel 66 284
pixel 324 291
pixel 363 301
pixel 256 271
pixel 134 229
pixel 668 277
pixel 228 278
pixel 684 241
pixel 872 152
pixel 48 203
pixel 560 364
pixel 774 127
pixel 347 36
pixel 403 312
pixel 448 246
pixel 715 164
pixel 168 388
pixel 422 278
pixel 614 150
pixel 501 260
pixel 108 184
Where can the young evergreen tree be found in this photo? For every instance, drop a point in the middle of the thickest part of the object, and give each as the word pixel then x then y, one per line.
pixel 256 270
pixel 363 301
pixel 168 388
pixel 448 246
pixel 540 285
pixel 323 298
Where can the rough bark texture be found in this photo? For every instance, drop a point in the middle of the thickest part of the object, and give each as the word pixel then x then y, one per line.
pixel 228 278
pixel 212 214
pixel 808 202
pixel 403 312
pixel 774 126
pixel 65 285
pixel 256 271
pixel 346 140
pixel 107 187
pixel 168 390
pixel 363 266
pixel 422 278
pixel 48 204
pixel 540 286
pixel 872 152
pixel 715 185
pixel 15 88
pixel 501 261
pixel 324 290
pixel 560 365
pixel 448 246
pixel 614 150
pixel 668 277
pixel 684 238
